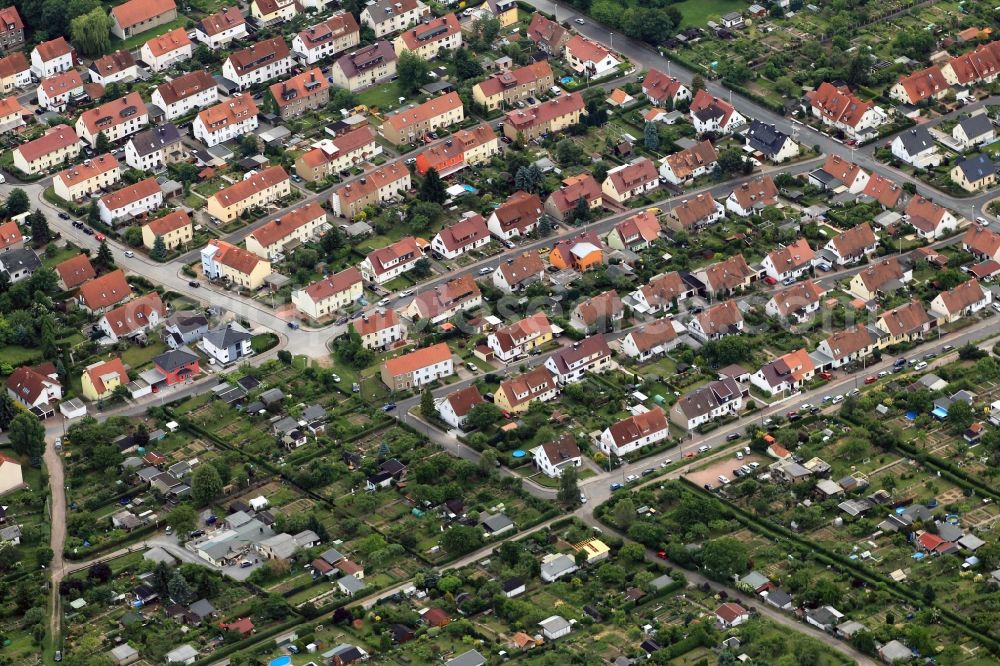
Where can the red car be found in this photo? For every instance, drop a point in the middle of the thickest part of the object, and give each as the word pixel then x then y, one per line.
pixel 791 415
pixel 770 280
pixel 662 554
pixel 871 379
pixel 99 237
pixel 825 375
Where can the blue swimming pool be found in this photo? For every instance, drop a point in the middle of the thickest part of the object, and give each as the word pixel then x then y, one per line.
pixel 566 80
pixel 280 661
pixel 469 188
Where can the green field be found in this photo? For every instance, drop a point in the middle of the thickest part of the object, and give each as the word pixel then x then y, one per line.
pixel 699 12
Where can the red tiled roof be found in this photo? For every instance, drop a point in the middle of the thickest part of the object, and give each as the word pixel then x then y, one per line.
pixel 520 76
pixel 53 49
pixel 574 188
pixel 428 33
pixel 417 359
pixel 219 22
pixel 545 112
pixel 173 221
pixel 106 290
pixel 134 12
pixel 422 113
pixel 246 188
pixel 277 230
pixel 186 85
pixel 75 271
pixel 923 84
pixel 54 139
pixel 334 284
pixel 114 112
pixel 308 83
pixel 659 87
pixel 10 234
pixel 883 190
pixel 129 194
pixel 109 367
pixel 236 258
pixel 636 427
pixel 838 104
pixel 168 42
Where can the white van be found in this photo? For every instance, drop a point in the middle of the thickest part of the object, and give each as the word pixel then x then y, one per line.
pixel 920 366
pixel 704 448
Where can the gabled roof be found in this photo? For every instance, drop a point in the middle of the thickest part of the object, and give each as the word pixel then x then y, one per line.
pixel 134 12
pixel 470 229
pixel 236 110
pixel 113 63
pixel 877 275
pixel 168 42
pixel 63 83
pixel 355 62
pixel 883 190
pixel 10 234
pixel 756 193
pixel 135 315
pixel 792 257
pixel 334 284
pixel 643 225
pixel 602 307
pixel 977 167
pixel 728 274
pixel 592 347
pixel 422 113
pixel 586 50
pixel 56 138
pixel 924 213
pixel 310 82
pixel 130 194
pixel 430 32
pixel 906 319
pixel 375 322
pixel 659 87
pixel 258 55
pixel 562 449
pixel 54 48
pixel 982 241
pixel 405 249
pixel 417 359
pixel 721 318
pixel 962 296
pixel 838 104
pixel 695 210
pixel 705 106
pixel 113 113
pixel 766 138
pixel 12 64
pixel 431 303
pixel 916 141
pixel 30 383
pixel 235 257
pixel 923 84
pixel 685 162
pixel 854 241
pixel 247 187
pixel 545 112
pixel 634 428
pixel 520 210
pixel 106 369
pixel 528 385
pixel 75 271
pixel 185 86
pixel 172 221
pixel 463 400
pixel 653 334
pixel 516 270
pixel 521 76
pixel 278 230
pixel 372 181
pixel 548 32
pixel 226 19
pixel 635 174
pixel 976 125
pixel 105 291
pixel 844 171
pixel 849 341
pixel 663 289
pixel 338 25
pixel 154 139
pixel 532 326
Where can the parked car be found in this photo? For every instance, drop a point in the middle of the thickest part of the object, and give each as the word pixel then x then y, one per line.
pixel 335 377
pixel 616 486
pixel 723 479
pixel 871 379
pixel 485 270
pixel 826 375
pixel 631 477
pixel 64 216
pixel 788 281
pixel 920 366
pixel 194 284
pixel 579 21
pixel 733 436
pixel 388 407
pixel 100 238
pixel 129 253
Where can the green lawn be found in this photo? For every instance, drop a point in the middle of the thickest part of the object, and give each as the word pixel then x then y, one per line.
pixel 263 341
pixel 384 96
pixel 136 357
pixel 698 12
pixel 17 356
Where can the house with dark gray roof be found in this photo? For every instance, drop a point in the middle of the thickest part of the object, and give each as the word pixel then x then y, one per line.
pixel 974 131
pixel 19 264
pixel 768 140
pixel 228 344
pixel 917 148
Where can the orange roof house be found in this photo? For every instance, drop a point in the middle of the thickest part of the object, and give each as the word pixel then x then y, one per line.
pixel 582 253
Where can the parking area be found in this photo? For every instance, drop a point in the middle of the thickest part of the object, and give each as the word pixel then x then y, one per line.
pixel 709 475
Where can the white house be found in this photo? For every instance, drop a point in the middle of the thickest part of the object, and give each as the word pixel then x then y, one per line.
pixel 455 407
pixel 917 148
pixel 130 201
pixel 510 342
pixel 838 107
pixel 386 263
pixel 790 261
pixel 975 130
pixel 162 52
pixel 652 339
pixel 227 344
pixel 570 364
pixel 853 245
pixel 929 219
pixel 469 233
pixel 785 373
pixel 51 57
pixel 189 92
pixel 54 93
pixel 711 114
pixel 719 398
pixel 635 432
pixel 553 457
pixel 966 299
pixel 10 474
pixel 589 58
pixel 265 60
pixel 221 28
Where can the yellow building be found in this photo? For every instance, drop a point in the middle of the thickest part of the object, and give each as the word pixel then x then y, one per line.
pixel 504 10
pixel 224 261
pixel 269 12
pixel 175 229
pixel 975 173
pixel 299 226
pixel 100 379
pixel 595 549
pixel 516 394
pixel 330 294
pixel 262 188
pixel 511 86
pixel 54 148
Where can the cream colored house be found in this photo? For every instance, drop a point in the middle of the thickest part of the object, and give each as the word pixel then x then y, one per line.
pixel 332 293
pixel 54 148
pixel 82 180
pixel 300 225
pixel 262 188
pixel 10 474
pixel 224 261
pixel 175 228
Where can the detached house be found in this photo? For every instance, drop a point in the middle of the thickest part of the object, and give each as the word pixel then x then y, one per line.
pixel 652 339
pixel 838 172
pixel 153 149
pixel 391 261
pixel 365 67
pixel 51 57
pixel 468 234
pixel 695 213
pixel 455 407
pixel 418 367
pixel 711 114
pixel 929 219
pixel 227 344
pixel 598 313
pixel 551 458
pixel 326 296
pixel 853 245
pixel 664 91
pixel 974 130
pixel 549 36
pixel 15 72
pixel 35 387
pixel 99 380
pixel 717 321
pixel 884 191
pixel 90 177
pixel 138 16
pixel 917 148
pixel 379 331
pixel 263 61
pixel 588 58
pixel 74 271
pixel 841 109
pixel 686 165
pixel 335 35
pixel 880 279
pixel 630 180
pixel 581 254
pixel 570 364
pixel 719 398
pixel 516 394
pixel 922 85
pixel 516 217
pixel 789 261
pixel 175 228
pixel 442 302
pixel 55 92
pixel 975 173
pixel 774 145
pixel 850 345
pixel 982 243
pixel 635 432
pixel 187 93
pixel 219 29
pixel 661 293
pixel 510 342
pixel 117 66
pixel 786 373
pixel 752 196
pixel 11 114
pixel 906 323
pixel 133 319
pixel 387 17
pixel 273 12
pixel 103 293
pixel 635 233
pixel 376 187
pixel 168 49
pixel 563 203
pixel 797 302
pixel 966 299
pixel 428 39
pixel 517 273
pixel 727 276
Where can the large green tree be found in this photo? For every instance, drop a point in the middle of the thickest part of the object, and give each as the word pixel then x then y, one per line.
pixel 433 189
pixel 206 485
pixel 569 491
pixel 412 71
pixel 27 436
pixel 40 232
pixel 91 32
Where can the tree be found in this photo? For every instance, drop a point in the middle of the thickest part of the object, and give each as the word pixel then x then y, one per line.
pixel 93 213
pixel 569 491
pixel 412 72
pixel 432 189
pixel 489 460
pixel 183 518
pixel 624 513
pixel 427 407
pixel 27 436
pixel 461 539
pixel 132 236
pixel 179 589
pixel 483 416
pixel 486 28
pixel 697 83
pixel 103 143
pixel 731 161
pixel 104 260
pixel 651 136
pixel 91 32
pixel 724 557
pixel 206 485
pixel 568 152
pixel 7 410
pixel 632 552
pixel 529 178
pixel 17 202
pixel 159 251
